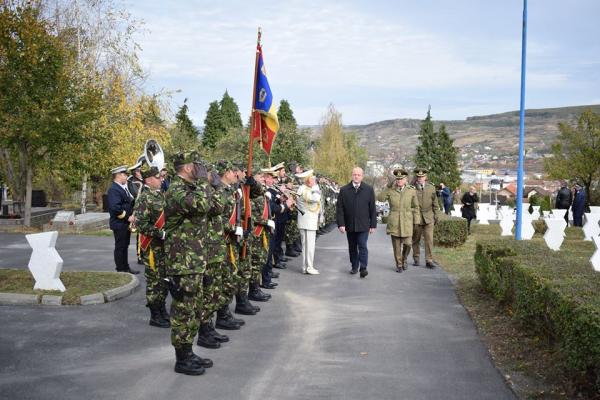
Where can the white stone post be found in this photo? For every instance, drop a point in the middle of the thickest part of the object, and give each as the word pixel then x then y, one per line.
pixel 45 263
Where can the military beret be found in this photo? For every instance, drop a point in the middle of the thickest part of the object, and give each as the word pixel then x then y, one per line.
pixel 223 166
pixel 148 171
pixel 186 157
pixel 420 172
pixel 400 173
pixel 119 169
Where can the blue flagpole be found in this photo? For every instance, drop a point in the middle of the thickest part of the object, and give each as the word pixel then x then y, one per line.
pixel 520 172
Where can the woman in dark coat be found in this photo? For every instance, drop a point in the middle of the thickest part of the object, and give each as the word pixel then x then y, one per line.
pixel 469 206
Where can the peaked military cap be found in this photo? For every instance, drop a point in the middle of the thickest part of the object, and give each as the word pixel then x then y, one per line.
pixel 186 157
pixel 279 166
pixel 223 166
pixel 420 172
pixel 305 174
pixel 148 171
pixel 400 173
pixel 119 169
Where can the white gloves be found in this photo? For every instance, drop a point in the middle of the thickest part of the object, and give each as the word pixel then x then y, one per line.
pixel 239 231
pixel 271 224
pixel 239 192
pixel 268 194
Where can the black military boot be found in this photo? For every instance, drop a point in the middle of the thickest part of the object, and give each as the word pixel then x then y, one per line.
pixel 185 363
pixel 242 305
pixel 205 339
pixel 238 321
pixel 218 337
pixel 225 320
pixel 163 312
pixel 156 319
pixel 204 362
pixel 256 294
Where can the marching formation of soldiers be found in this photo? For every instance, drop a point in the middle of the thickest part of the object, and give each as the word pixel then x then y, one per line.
pixel 205 244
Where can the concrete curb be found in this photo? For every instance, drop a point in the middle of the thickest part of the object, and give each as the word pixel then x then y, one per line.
pixel 94 298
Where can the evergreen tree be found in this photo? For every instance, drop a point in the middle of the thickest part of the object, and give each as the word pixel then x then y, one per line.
pixel 446 166
pixel 285 115
pixel 437 153
pixel 184 134
pixel 291 144
pixel 213 126
pixel 230 113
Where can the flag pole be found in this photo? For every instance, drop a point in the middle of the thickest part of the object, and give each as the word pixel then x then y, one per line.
pixel 246 188
pixel 520 172
pixel 252 108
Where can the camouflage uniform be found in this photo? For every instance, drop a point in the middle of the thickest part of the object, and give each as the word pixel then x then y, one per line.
pixel 230 263
pixel 148 208
pixel 213 294
pixel 259 245
pixel 187 205
pixel 245 271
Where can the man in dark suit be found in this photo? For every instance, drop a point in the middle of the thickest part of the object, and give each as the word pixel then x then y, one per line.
pixel 120 207
pixel 564 199
pixel 357 217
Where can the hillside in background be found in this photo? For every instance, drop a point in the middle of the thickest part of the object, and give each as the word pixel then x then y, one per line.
pixel 496 135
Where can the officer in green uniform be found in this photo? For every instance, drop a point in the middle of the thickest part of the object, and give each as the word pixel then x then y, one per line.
pixel 188 201
pixel 430 212
pixel 148 210
pixel 404 212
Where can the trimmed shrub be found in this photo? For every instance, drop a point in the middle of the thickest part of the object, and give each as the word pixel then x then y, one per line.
pixel 450 232
pixel 554 294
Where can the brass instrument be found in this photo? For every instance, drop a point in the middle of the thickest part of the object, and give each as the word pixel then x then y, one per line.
pixel 286 192
pixel 154 156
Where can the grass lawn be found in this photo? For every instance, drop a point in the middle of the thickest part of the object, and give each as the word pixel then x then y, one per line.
pixel 528 362
pixel 78 283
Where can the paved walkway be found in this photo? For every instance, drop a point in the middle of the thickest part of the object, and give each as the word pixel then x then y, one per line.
pixel 332 336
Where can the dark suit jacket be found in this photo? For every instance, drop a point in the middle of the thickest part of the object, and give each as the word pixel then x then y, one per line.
pixel 120 207
pixel 355 210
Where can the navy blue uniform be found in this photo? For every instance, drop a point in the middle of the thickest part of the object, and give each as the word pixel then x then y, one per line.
pixel 120 208
pixel 281 214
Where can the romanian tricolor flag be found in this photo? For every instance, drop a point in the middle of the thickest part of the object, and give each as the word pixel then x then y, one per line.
pixel 266 124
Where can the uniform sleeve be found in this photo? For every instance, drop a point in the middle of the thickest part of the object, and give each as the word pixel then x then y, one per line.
pixel 372 208
pixel 339 210
pixel 383 195
pixel 435 205
pixel 416 208
pixel 116 205
pixel 144 219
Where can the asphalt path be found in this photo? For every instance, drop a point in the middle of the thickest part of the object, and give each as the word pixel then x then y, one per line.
pixel 331 336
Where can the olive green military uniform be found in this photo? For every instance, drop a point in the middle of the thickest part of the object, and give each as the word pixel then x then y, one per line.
pixel 259 245
pixel 230 264
pixel 404 215
pixel 244 270
pixel 430 211
pixel 148 208
pixel 187 205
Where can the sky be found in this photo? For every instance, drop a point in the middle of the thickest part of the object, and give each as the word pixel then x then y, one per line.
pixel 373 60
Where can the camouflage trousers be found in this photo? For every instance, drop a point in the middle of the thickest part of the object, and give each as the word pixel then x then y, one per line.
pixel 244 270
pixel 213 289
pixel 186 310
pixel 258 256
pixel 292 233
pixel 154 271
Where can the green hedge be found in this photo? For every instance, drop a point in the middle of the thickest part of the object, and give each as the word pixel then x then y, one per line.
pixel 555 294
pixel 450 232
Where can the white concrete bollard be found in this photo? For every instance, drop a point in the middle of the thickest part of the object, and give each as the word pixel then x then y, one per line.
pixel 483 214
pixel 536 212
pixel 555 234
pixel 527 229
pixel 595 260
pixel 591 227
pixel 506 221
pixel 45 263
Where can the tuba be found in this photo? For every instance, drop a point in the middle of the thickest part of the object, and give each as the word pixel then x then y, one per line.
pixel 154 156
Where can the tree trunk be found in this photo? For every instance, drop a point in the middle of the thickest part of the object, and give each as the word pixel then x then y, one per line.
pixel 84 193
pixel 28 188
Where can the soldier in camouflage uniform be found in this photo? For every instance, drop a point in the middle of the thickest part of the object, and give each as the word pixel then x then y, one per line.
pixel 258 241
pixel 213 294
pixel 244 270
pixel 148 210
pixel 188 201
pixel 233 233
